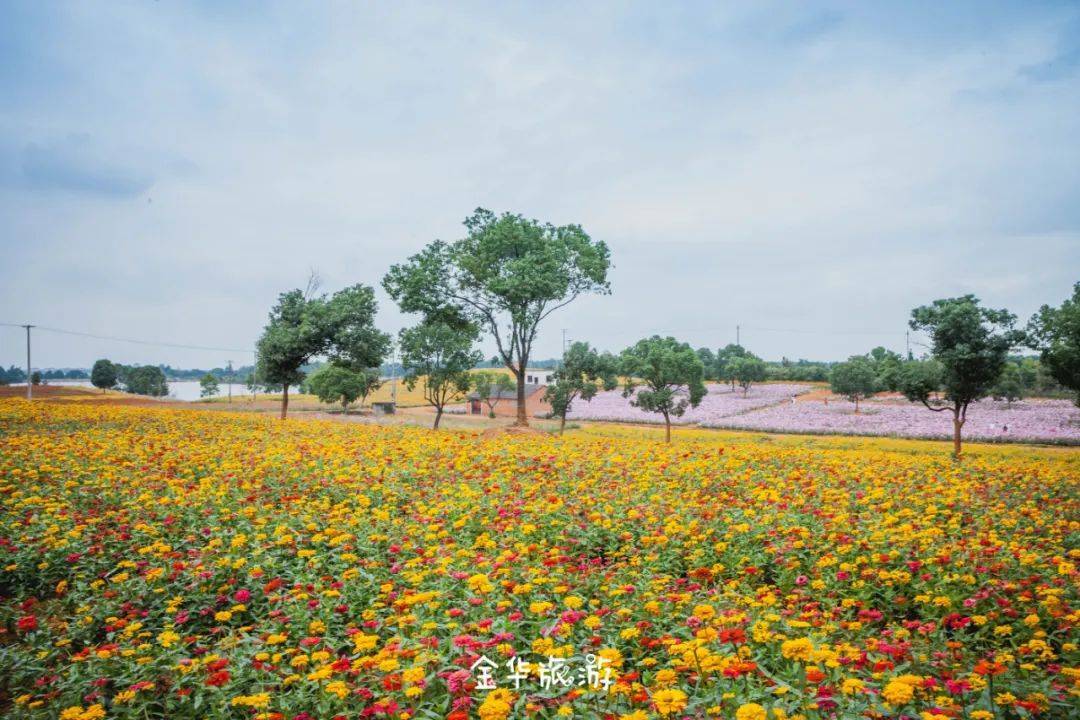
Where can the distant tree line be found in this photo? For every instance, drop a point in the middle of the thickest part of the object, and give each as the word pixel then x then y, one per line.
pixel 138 379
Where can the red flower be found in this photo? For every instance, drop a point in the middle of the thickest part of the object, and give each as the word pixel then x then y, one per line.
pixel 27 623
pixel 218 679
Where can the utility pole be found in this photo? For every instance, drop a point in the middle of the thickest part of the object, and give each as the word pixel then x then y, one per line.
pixel 907 343
pixel 230 382
pixel 29 382
pixel 254 373
pixel 737 341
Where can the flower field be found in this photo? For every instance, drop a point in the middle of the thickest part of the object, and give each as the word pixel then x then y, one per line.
pixel 767 407
pixel 1055 421
pixel 720 403
pixel 170 563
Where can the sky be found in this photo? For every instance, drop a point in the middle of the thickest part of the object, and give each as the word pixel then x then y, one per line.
pixel 807 172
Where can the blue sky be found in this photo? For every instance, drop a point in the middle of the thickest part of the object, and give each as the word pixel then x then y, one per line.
pixel 167 168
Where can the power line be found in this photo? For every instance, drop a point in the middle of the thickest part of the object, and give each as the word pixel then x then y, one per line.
pixel 129 340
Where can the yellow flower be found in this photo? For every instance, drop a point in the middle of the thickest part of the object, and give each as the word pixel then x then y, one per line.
pixel 669 701
pixel 799 649
pixel 751 711
pixel 338 688
pixel 704 612
pixel 94 712
pixel 636 715
pixel 665 678
pixel 166 638
pixel 493 709
pixel 851 686
pixel 479 583
pixel 259 701
pixel 898 692
pixel 223 616
pixel 123 696
pixel 363 643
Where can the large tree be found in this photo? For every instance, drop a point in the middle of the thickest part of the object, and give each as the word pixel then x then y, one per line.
pixel 505 276
pixel 855 379
pixel 670 373
pixel 969 347
pixel 1056 333
pixel 439 355
pixel 304 325
pixel 104 374
pixel 582 374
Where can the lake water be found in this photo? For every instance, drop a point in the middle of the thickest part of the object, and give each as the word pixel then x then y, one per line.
pixel 178 389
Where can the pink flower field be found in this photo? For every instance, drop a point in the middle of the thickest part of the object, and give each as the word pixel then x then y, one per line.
pixel 769 408
pixel 720 403
pixel 1056 421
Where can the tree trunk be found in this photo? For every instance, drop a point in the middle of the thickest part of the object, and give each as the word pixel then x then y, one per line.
pixel 856 406
pixel 562 424
pixel 957 424
pixel 667 428
pixel 284 400
pixel 438 417
pixel 522 416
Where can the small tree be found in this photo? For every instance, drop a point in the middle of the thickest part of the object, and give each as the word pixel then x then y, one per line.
pixel 1056 333
pixel 671 373
pixel 854 379
pixel 725 359
pixel 491 387
pixel 35 377
pixel 1010 385
pixel 583 372
pixel 208 385
pixel 970 345
pixel 333 383
pixel 439 355
pixel 747 370
pixel 103 375
pixel 506 276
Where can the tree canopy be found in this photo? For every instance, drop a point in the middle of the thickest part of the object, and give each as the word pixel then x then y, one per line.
pixel 969 347
pixel 334 383
pixel 208 385
pixel 144 380
pixel 505 276
pixel 671 375
pixel 854 379
pixel 303 326
pixel 747 370
pixel 1056 333
pixel 104 374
